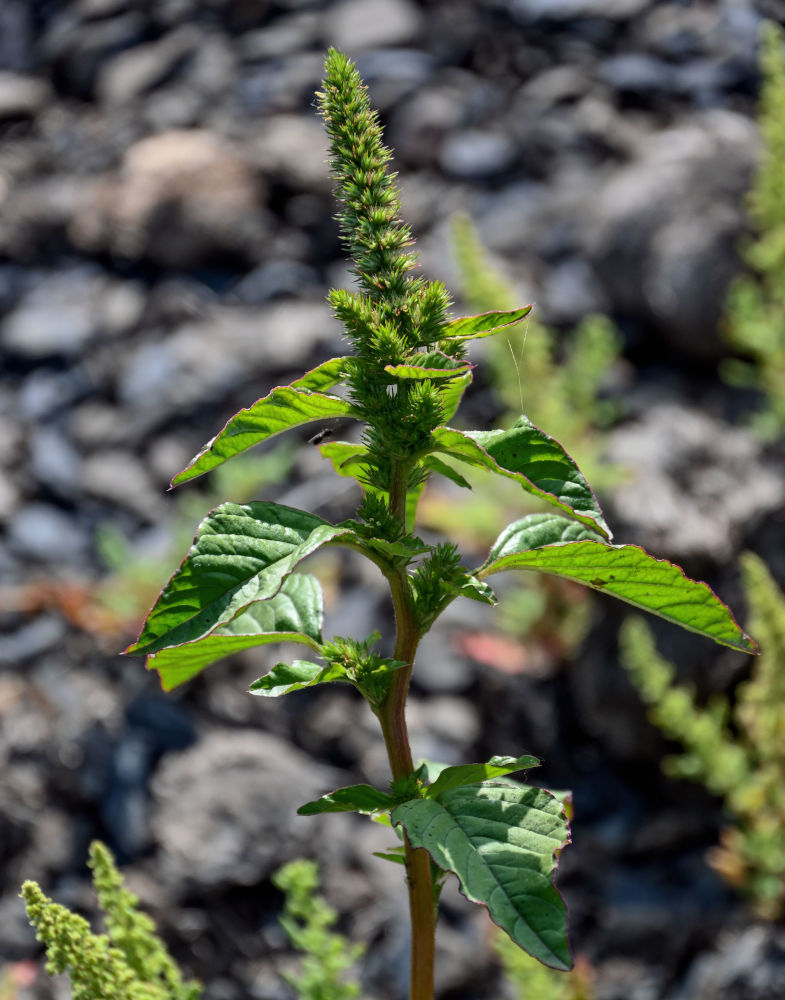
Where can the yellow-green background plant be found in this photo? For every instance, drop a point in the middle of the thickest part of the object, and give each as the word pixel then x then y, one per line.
pixel 755 312
pixel 525 979
pixel 128 962
pixel 307 919
pixel 736 748
pixel 560 387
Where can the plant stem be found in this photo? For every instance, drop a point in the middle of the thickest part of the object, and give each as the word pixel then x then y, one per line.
pixel 392 715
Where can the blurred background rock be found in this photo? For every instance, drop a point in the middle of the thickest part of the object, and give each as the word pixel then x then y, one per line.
pixel 166 243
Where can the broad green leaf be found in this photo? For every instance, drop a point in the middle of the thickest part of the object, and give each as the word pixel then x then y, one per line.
pixel 502 842
pixel 433 364
pixel 451 394
pixel 242 553
pixel 287 677
pixel 468 327
pixel 530 457
pixel 294 615
pixel 434 464
pixel 626 572
pixel 283 408
pixel 472 774
pixel 325 376
pixel 354 798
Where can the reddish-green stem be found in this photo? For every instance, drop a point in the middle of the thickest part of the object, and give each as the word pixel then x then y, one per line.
pixel 392 715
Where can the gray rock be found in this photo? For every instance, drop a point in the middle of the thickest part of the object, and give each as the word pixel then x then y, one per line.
pixel 278 279
pixel 206 358
pixel 749 964
pixel 56 318
pixel 476 154
pixel 59 317
pixel 292 148
pixel 706 81
pixel 662 232
pixel 139 70
pixel 439 670
pixel 16 35
pixel 120 479
pixel 392 74
pixel 43 532
pixel 55 462
pixel 224 811
pixel 676 31
pixel 9 501
pixel 280 86
pixel 179 199
pixel 121 307
pixel 418 127
pixel 355 25
pixel 44 393
pixel 79 46
pixel 528 11
pixel 684 499
pixel 21 97
pixel 285 36
pixel 638 73
pixel 569 292
pixel 147 372
pixel 31 640
pixel 98 425
pixel 453 720
pixel 554 86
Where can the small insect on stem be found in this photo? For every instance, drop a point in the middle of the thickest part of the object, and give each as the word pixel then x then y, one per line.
pixel 321 435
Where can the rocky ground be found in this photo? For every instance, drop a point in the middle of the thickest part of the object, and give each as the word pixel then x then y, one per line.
pixel 166 242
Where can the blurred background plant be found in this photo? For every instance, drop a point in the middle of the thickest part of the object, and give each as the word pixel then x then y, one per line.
pixel 327 957
pixel 526 979
pixel 129 961
pixel 734 746
pixel 755 312
pixel 307 919
pixel 560 383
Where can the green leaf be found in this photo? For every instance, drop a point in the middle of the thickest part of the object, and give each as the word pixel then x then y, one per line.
pixel 469 586
pixel 502 842
pixel 468 327
pixel 347 459
pixel 283 408
pixel 294 615
pixel 412 500
pixel 396 854
pixel 433 364
pixel 242 553
pixel 530 457
pixel 325 376
pixel 472 774
pixel 287 677
pixel 353 798
pixel 406 548
pixel 434 464
pixel 451 394
pixel 536 530
pixel 625 571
